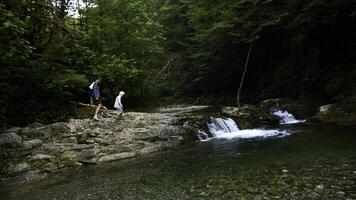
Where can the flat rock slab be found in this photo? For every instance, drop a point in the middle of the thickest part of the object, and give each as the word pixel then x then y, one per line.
pixel 60 145
pixel 118 156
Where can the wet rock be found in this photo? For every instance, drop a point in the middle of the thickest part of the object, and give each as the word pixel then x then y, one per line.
pixel 118 156
pixel 28 176
pixel 150 149
pixel 334 114
pixel 32 133
pixel 59 129
pixel 32 144
pixel 11 140
pixel 16 130
pixel 53 149
pixel 49 167
pixel 70 140
pixel 319 187
pixel 250 116
pixel 87 156
pixel 299 109
pixel 42 157
pixel 18 168
pixel 81 141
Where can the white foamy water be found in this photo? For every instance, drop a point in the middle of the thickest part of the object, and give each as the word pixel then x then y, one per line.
pixel 286 117
pixel 254 133
pixel 227 128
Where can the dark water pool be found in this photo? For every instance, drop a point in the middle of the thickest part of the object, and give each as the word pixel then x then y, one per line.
pixel 312 163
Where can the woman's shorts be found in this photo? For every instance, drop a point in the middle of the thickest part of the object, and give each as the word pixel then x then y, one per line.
pixel 96 101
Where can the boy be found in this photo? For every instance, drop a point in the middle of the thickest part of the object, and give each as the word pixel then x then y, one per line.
pixel 118 105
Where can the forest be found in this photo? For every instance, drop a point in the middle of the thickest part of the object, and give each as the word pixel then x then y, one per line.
pixel 169 51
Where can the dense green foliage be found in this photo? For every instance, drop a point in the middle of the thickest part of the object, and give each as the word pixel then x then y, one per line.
pixel 49 58
pixel 302 49
pixel 172 49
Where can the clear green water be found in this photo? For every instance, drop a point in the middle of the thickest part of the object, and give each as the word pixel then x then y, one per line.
pixel 312 163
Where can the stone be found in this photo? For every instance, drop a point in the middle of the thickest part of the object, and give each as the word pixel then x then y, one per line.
pixel 19 168
pixel 319 187
pixel 99 140
pixel 30 144
pixel 11 140
pixel 334 114
pixel 16 130
pixel 70 140
pixel 90 141
pixel 28 176
pixel 90 133
pixel 54 149
pixel 249 116
pixel 86 156
pixel 59 129
pixel 118 156
pixel 300 109
pixel 49 167
pixel 150 149
pixel 42 157
pixel 32 133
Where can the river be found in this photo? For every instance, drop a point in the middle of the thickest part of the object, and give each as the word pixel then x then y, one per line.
pixel 311 162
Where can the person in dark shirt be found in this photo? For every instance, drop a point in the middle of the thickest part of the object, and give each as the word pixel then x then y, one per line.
pixel 96 96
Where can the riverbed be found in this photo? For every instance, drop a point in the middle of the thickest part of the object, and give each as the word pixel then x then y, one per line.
pixel 312 162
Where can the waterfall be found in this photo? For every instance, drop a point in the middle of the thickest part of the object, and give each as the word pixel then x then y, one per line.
pixel 218 126
pixel 285 117
pixel 227 128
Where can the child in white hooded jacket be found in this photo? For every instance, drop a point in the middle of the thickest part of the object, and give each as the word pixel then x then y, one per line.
pixel 118 105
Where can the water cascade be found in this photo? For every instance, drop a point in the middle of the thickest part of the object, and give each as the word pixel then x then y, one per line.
pixel 227 128
pixel 285 117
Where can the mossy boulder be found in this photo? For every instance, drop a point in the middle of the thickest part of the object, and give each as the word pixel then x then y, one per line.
pixel 335 114
pixel 250 116
pixel 192 124
pixel 298 108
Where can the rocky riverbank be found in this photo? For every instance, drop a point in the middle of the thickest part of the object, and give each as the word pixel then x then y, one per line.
pixel 32 153
pixel 37 151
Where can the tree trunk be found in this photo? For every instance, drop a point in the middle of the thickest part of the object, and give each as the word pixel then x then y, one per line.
pixel 243 76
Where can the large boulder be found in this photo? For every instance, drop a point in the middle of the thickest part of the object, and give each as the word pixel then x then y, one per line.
pixel 87 156
pixel 334 114
pixel 250 116
pixel 11 140
pixel 299 109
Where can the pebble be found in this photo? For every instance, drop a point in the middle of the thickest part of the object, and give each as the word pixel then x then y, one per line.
pixel 320 187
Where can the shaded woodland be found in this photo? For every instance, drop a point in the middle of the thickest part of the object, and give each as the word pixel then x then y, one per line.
pixel 169 51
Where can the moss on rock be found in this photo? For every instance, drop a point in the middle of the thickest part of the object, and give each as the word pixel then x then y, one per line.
pixel 250 116
pixel 335 114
